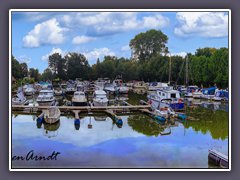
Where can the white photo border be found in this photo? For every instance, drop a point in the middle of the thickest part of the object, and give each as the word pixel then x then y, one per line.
pixel 117 10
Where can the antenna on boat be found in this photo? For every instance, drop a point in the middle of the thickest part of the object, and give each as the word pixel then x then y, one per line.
pixel 170 69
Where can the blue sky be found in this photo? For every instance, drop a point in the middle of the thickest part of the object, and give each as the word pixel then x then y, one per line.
pixel 36 35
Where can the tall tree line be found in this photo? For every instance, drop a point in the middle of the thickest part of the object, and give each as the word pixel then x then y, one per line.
pixel 149 62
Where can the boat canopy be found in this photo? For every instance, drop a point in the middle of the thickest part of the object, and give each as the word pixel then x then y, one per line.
pixel 222 93
pixel 209 91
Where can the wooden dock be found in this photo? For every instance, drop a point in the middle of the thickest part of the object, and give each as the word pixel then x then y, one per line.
pixel 63 109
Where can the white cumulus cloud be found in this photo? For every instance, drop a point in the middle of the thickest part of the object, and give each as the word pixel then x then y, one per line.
pixel 182 54
pixel 206 24
pixel 82 39
pixel 47 32
pixel 96 53
pixel 24 59
pixel 125 48
pixel 107 23
pixel 54 50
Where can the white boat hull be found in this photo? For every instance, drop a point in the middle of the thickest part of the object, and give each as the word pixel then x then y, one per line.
pixel 46 103
pixel 197 95
pixel 188 95
pixel 58 93
pixel 52 115
pixel 100 103
pixel 29 93
pixel 209 97
pixel 123 90
pixel 15 102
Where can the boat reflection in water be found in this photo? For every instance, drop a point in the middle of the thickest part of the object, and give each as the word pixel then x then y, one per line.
pixel 100 118
pixel 133 145
pixel 77 124
pixel 149 126
pixel 51 130
pixel 212 105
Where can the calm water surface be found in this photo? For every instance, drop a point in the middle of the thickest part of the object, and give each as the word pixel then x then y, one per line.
pixel 139 143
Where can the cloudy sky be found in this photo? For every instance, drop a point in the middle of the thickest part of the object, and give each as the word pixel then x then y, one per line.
pixel 36 35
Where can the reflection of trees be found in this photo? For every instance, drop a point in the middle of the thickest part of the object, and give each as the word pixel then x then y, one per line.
pixel 135 98
pixel 145 125
pixel 50 130
pixel 215 122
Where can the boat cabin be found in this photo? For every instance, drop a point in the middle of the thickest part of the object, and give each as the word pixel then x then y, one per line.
pixel 168 94
pixel 100 93
pixel 79 93
pixel 192 88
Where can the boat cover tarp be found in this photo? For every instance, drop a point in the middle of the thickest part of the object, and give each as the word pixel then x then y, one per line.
pixel 209 91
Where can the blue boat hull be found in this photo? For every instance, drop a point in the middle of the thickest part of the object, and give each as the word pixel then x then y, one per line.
pixel 177 106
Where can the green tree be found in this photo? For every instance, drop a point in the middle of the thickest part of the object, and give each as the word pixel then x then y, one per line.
pixel 148 44
pixel 34 73
pixel 207 52
pixel 77 66
pixel 47 75
pixel 58 65
pixel 24 70
pixel 16 69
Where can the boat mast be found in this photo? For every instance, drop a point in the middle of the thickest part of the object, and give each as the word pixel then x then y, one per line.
pixel 187 71
pixel 170 69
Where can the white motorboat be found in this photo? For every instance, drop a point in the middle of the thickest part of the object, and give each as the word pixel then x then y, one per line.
pixel 52 115
pixel 208 93
pixel 19 99
pixel 190 90
pixel 164 112
pixel 70 90
pixel 99 85
pixel 166 98
pixel 221 95
pixel 46 98
pixel 100 98
pixel 79 99
pixel 197 94
pixel 123 89
pixel 140 87
pixel 120 87
pixel 29 91
pixel 156 85
pixel 37 87
pixel 109 88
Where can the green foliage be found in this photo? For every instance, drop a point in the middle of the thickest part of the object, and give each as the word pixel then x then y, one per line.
pixel 214 122
pixel 149 44
pixel 207 67
pixel 144 125
pixel 47 75
pixel 211 68
pixel 58 65
pixel 77 66
pixel 34 73
pixel 19 70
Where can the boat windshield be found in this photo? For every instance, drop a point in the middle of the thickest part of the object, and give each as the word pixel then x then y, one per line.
pixel 173 95
pixel 46 93
pixel 79 93
pixel 101 95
